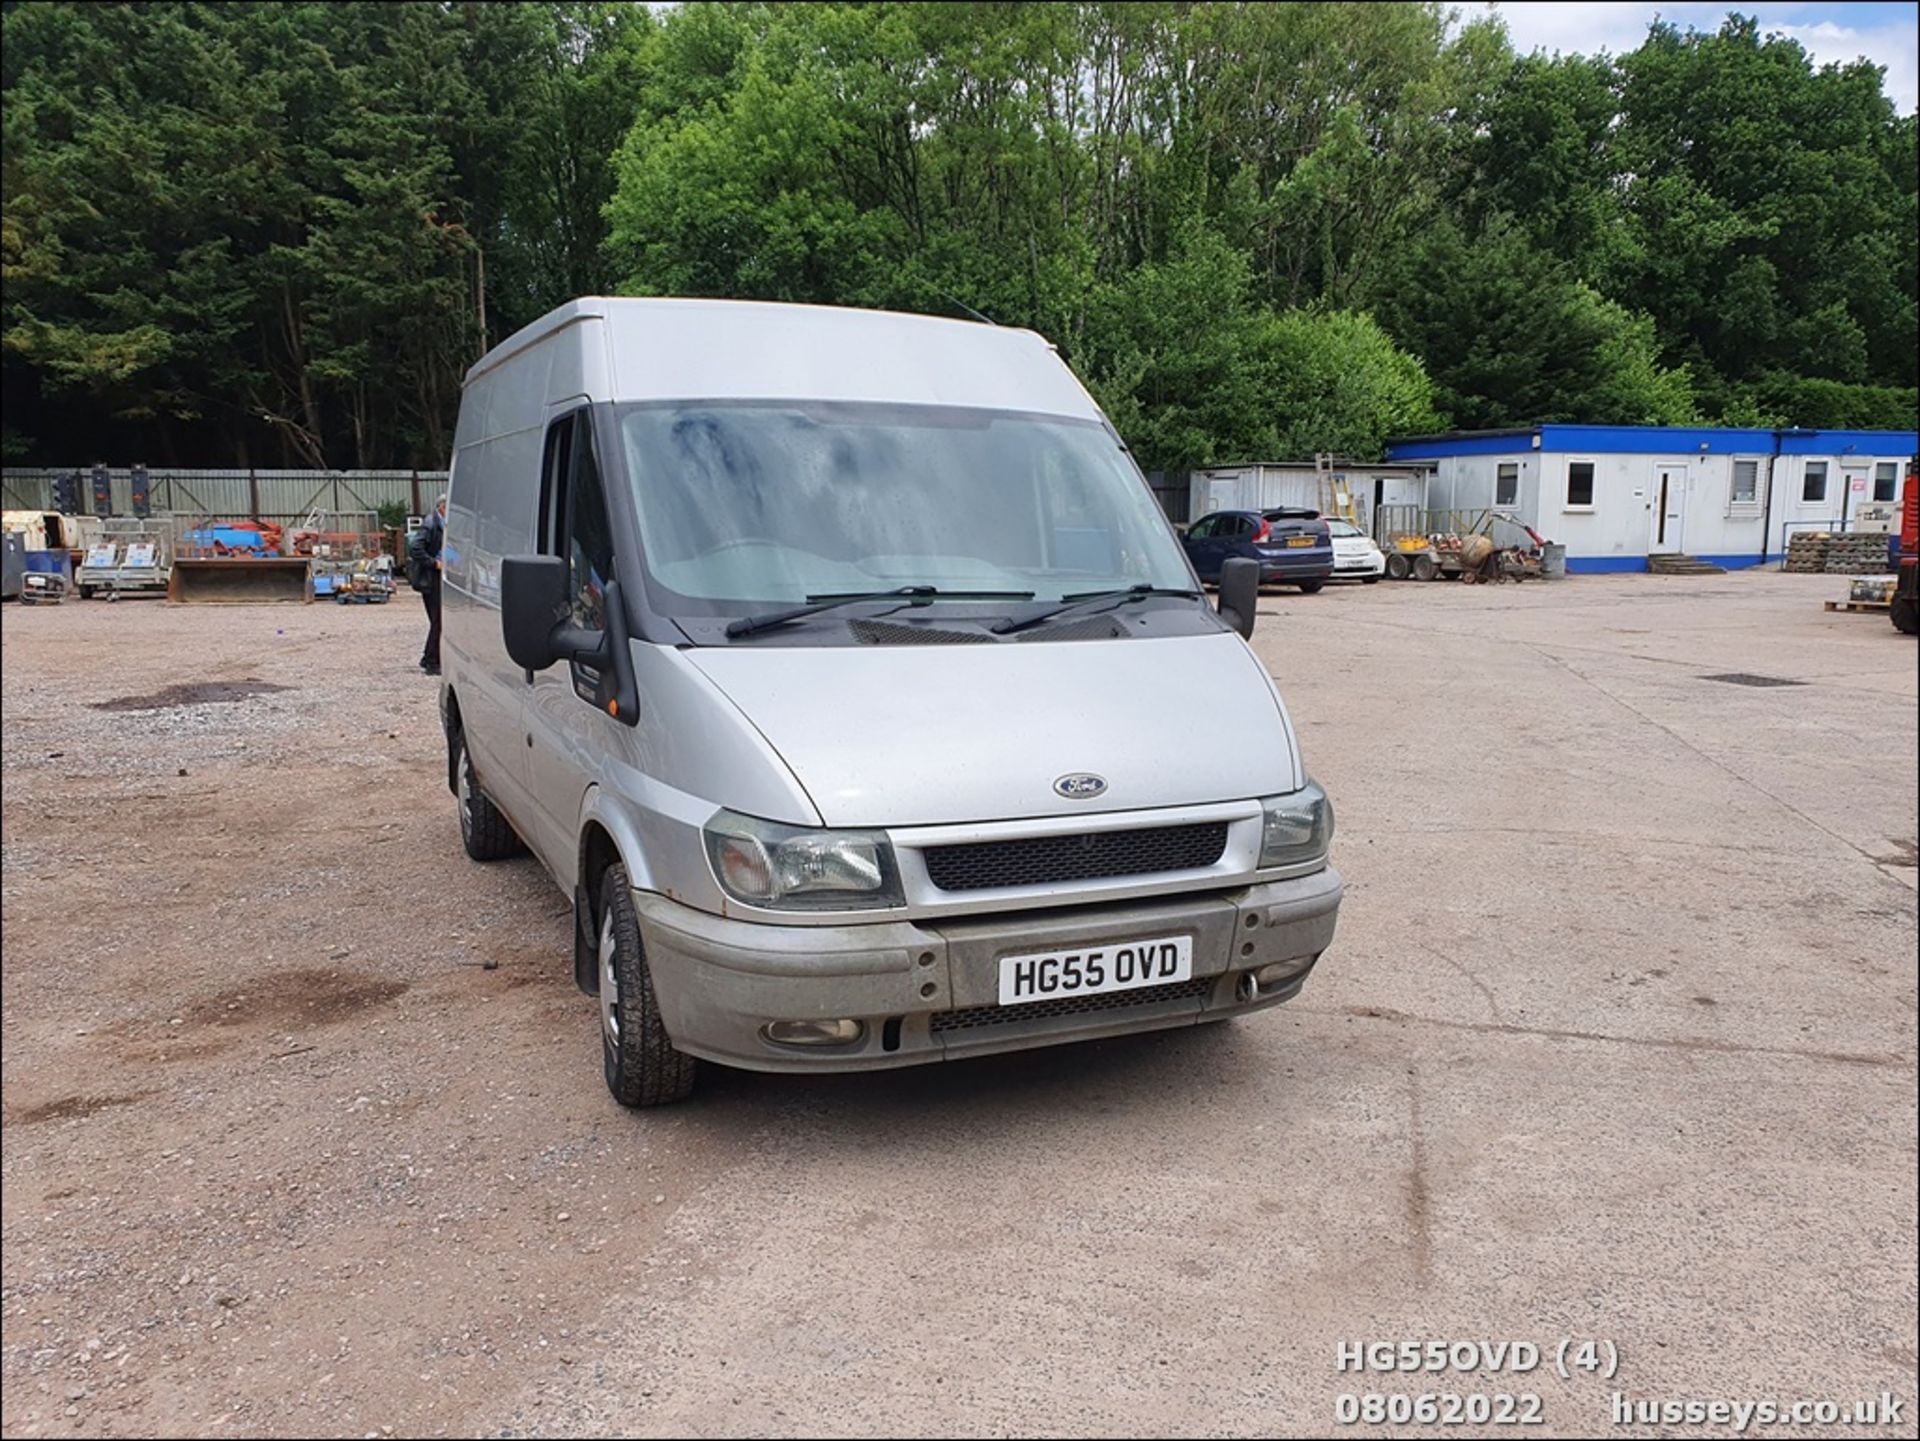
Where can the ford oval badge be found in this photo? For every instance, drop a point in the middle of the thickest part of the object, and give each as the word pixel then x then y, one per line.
pixel 1081 786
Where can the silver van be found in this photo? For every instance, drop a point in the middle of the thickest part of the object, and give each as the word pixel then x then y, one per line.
pixel 842 668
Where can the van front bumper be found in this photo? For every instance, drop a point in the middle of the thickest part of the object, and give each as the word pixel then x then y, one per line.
pixel 928 990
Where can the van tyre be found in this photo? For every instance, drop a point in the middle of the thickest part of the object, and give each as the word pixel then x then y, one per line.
pixel 1906 614
pixel 642 1067
pixel 1309 587
pixel 483 830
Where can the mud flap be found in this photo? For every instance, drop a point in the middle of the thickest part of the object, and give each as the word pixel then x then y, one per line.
pixel 450 728
pixel 586 971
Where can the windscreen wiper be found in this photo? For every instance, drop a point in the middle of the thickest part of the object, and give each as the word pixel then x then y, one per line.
pixel 913 594
pixel 1090 597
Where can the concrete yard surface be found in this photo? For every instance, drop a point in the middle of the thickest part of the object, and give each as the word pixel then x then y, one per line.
pixel 1616 1045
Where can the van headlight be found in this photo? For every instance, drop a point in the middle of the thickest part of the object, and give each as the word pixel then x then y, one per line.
pixel 781 867
pixel 1296 828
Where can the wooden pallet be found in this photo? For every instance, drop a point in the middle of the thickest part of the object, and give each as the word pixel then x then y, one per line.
pixel 1876 607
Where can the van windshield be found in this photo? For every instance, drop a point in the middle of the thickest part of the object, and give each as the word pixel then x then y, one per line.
pixel 743 505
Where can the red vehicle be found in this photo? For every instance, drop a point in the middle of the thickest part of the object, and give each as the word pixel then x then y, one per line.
pixel 1906 590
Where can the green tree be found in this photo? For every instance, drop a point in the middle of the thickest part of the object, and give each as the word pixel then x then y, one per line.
pixel 1511 336
pixel 1731 149
pixel 1195 372
pixel 1541 151
pixel 549 235
pixel 281 232
pixel 1802 400
pixel 260 231
pixel 1334 381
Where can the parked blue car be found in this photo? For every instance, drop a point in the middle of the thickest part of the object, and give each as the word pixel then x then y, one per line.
pixel 1294 547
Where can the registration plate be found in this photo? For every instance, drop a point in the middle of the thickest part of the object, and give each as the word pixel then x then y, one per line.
pixel 1095 970
pixel 1301 540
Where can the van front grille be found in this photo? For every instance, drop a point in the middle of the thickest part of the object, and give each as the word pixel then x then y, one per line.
pixel 974 1017
pixel 1094 855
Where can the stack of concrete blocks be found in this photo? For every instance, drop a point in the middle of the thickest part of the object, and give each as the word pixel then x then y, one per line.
pixel 1858 553
pixel 1822 552
pixel 1807 552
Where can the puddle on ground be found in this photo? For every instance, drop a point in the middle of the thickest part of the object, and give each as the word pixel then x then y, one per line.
pixel 205 692
pixel 69 1108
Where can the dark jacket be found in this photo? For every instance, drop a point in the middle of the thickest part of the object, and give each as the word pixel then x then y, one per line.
pixel 423 550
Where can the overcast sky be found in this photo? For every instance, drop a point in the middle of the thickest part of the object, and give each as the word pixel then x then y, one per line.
pixel 1888 34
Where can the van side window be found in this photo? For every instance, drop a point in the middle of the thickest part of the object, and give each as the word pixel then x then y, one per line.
pixel 588 533
pixel 555 467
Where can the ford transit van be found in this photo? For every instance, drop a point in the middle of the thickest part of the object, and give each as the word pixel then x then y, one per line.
pixel 843 670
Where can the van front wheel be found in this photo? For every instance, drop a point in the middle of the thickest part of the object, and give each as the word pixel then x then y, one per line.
pixel 483 830
pixel 641 1065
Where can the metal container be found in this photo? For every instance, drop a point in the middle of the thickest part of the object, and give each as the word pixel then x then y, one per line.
pixel 13 564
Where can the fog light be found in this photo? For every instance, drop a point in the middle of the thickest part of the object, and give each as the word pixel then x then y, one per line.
pixel 1279 972
pixel 813 1033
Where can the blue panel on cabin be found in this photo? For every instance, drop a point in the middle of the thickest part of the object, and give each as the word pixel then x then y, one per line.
pixel 1628 564
pixel 1652 439
pixel 1851 442
pixel 1437 447
pixel 1604 564
pixel 1674 440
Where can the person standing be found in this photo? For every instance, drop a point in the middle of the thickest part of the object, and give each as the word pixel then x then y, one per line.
pixel 424 554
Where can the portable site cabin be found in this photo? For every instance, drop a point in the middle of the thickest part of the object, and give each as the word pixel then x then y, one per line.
pixel 1268 485
pixel 1616 494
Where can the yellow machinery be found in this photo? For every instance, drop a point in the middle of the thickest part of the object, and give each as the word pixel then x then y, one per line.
pixel 1412 557
pixel 1467 549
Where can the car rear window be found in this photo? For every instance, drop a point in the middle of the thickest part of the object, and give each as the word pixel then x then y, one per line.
pixel 1295 523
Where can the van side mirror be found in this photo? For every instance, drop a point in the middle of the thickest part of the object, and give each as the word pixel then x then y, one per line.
pixel 1240 594
pixel 536 623
pixel 534 614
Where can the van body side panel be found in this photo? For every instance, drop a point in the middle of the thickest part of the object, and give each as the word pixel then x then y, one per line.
pixel 565 734
pixel 491 514
pixel 483 526
pixel 655 786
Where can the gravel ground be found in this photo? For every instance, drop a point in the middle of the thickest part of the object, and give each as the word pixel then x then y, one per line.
pixel 1618 1041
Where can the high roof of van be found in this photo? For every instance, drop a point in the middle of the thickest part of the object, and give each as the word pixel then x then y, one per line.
pixel 670 349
